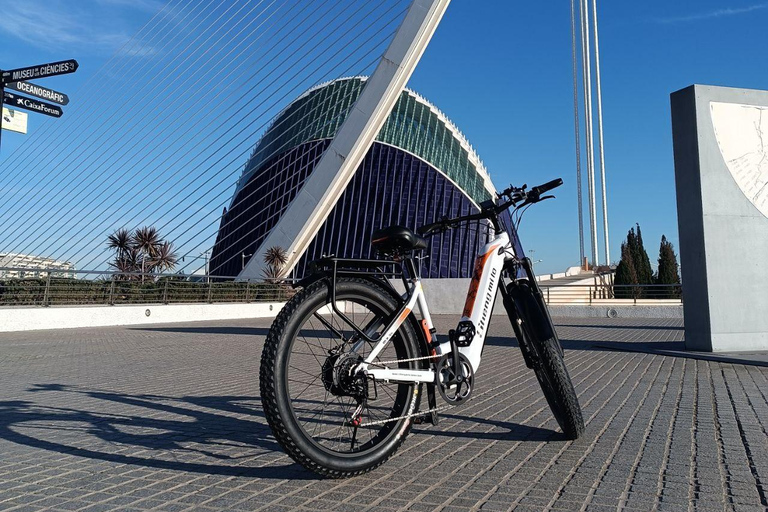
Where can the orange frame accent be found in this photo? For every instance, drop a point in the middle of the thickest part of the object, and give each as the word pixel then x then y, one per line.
pixel 477 274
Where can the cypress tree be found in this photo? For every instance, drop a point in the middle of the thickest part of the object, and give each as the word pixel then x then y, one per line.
pixel 641 260
pixel 668 270
pixel 626 274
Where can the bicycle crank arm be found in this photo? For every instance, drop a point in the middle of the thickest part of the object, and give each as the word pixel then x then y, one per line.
pixel 398 375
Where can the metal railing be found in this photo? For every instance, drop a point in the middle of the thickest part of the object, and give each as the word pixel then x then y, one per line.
pixel 609 294
pixel 113 288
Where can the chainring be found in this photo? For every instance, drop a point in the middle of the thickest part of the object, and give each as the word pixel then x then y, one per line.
pixel 454 389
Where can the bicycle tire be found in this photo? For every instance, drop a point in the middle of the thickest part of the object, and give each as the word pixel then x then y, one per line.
pixel 275 393
pixel 558 389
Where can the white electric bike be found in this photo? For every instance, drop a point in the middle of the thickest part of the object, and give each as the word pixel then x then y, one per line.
pixel 346 359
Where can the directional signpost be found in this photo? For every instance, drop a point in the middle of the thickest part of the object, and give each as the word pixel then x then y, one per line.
pixel 39 92
pixel 41 71
pixel 41 107
pixel 16 79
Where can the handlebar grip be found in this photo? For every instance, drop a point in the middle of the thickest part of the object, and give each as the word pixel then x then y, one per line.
pixel 543 189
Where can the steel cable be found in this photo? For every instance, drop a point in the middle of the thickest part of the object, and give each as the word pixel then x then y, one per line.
pixel 179 129
pixel 63 179
pixel 29 143
pixel 221 204
pixel 199 210
pixel 219 160
pixel 52 149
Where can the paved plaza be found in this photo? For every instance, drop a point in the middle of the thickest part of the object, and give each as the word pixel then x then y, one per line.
pixel 169 418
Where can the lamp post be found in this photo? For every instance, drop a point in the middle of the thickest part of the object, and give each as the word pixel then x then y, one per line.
pixel 245 256
pixel 204 255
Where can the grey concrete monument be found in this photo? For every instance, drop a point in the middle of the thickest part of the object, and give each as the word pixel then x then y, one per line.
pixel 721 172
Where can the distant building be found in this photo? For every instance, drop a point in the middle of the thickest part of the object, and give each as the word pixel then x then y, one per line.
pixel 33 266
pixel 419 168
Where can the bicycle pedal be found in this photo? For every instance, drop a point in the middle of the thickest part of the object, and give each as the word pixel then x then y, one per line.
pixel 428 417
pixel 420 419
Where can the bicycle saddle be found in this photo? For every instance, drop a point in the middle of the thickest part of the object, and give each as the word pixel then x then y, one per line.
pixel 397 238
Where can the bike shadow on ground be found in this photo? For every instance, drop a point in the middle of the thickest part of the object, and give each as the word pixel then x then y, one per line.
pixel 154 431
pixel 625 327
pixel 209 329
pixel 502 430
pixel 574 344
pixel 151 427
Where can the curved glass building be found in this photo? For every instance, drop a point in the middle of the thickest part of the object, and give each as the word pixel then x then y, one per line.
pixel 419 169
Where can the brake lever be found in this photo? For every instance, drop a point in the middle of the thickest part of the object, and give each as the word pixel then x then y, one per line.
pixel 537 200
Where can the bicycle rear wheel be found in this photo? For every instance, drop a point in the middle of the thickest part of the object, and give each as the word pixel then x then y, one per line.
pixel 325 416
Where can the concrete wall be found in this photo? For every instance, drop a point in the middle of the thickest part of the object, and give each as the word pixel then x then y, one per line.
pixel 27 319
pixel 447 296
pixel 444 296
pixel 721 174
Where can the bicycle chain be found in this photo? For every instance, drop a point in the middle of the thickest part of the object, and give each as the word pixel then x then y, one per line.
pixel 414 414
pixel 406 416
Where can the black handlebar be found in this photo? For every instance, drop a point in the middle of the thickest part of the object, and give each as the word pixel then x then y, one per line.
pixel 446 223
pixel 543 189
pixel 517 196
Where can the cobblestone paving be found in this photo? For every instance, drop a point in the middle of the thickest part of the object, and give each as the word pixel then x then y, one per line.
pixel 168 418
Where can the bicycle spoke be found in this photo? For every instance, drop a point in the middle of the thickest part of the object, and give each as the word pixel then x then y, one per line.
pixel 327 416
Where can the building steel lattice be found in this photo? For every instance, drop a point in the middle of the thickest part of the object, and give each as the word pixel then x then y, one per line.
pixel 419 168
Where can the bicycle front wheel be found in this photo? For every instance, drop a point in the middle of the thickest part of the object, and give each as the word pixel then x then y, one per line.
pixel 545 356
pixel 553 377
pixel 325 416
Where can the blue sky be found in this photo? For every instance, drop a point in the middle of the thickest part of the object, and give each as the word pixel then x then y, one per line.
pixel 502 72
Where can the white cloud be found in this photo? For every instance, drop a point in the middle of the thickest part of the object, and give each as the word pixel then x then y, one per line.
pixel 55 24
pixel 716 13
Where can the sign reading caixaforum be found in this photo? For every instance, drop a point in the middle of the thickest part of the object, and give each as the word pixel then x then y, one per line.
pixel 41 107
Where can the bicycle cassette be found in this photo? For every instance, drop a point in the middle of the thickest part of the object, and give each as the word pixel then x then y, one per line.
pixel 455 389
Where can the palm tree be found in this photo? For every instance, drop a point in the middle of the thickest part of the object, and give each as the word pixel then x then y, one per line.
pixel 143 251
pixel 127 263
pixel 147 240
pixel 275 257
pixel 120 241
pixel 165 258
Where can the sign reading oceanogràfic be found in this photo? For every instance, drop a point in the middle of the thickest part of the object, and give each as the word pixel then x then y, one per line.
pixel 41 107
pixel 40 71
pixel 14 120
pixel 39 92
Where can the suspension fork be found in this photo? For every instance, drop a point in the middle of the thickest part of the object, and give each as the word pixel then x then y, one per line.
pixel 527 310
pixel 514 319
pixel 544 326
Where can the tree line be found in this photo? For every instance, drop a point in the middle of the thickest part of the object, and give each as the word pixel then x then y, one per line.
pixel 635 269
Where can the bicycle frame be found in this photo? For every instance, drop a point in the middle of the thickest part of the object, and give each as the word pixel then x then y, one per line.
pixel 478 310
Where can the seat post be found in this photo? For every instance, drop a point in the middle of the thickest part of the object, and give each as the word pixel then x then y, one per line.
pixel 410 265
